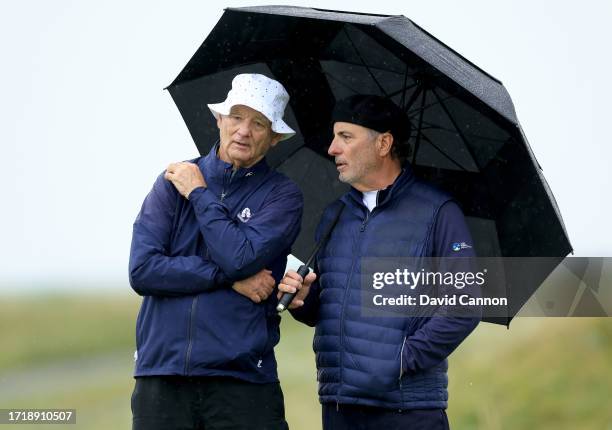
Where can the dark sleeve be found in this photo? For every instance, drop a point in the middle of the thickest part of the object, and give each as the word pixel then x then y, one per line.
pixel 242 249
pixel 441 335
pixel 451 236
pixel 152 271
pixel 309 313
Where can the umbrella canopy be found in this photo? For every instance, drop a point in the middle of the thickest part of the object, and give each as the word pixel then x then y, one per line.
pixel 466 137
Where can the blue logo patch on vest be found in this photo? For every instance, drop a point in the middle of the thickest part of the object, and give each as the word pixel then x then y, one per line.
pixel 458 246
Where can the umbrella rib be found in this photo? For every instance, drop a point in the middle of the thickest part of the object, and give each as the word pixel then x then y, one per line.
pixel 364 63
pixel 340 82
pixel 394 93
pixel 351 63
pixel 403 99
pixel 404 89
pixel 428 140
pixel 432 126
pixel 452 120
pixel 427 106
pixel 420 128
pixel 413 97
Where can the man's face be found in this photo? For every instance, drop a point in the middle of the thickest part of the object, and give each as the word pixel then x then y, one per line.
pixel 355 153
pixel 245 135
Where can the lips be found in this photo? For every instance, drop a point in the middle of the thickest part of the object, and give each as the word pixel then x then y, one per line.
pixel 241 145
pixel 340 165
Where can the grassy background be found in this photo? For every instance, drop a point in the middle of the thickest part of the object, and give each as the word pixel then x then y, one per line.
pixel 61 351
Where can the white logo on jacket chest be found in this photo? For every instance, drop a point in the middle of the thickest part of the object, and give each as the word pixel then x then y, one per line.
pixel 245 215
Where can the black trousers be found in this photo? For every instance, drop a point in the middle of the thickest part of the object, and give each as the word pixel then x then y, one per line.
pixel 353 417
pixel 206 403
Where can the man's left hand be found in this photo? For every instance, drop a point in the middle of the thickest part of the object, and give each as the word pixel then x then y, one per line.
pixel 185 177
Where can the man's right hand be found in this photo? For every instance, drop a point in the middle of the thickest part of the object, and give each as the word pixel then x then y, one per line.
pixel 257 287
pixel 293 282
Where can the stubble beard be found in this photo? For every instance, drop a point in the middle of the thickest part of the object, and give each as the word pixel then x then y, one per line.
pixel 359 174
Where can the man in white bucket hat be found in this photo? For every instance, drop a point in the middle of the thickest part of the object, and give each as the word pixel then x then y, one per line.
pixel 209 245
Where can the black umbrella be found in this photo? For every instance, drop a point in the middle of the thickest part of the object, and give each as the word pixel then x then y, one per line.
pixel 466 139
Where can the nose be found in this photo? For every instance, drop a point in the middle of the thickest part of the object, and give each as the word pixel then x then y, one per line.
pixel 244 129
pixel 334 148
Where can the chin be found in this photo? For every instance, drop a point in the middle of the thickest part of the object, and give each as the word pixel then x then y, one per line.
pixel 237 154
pixel 344 178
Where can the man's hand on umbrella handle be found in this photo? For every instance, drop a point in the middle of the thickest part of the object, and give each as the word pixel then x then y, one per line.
pixel 293 282
pixel 185 177
pixel 257 287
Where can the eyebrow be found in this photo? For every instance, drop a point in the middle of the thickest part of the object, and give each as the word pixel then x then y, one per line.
pixel 257 117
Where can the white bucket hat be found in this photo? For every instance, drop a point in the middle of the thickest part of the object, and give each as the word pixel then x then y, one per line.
pixel 261 93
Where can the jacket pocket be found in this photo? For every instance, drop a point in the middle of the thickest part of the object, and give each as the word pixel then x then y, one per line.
pixel 232 331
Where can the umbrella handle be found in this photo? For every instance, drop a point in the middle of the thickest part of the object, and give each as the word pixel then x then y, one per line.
pixel 287 298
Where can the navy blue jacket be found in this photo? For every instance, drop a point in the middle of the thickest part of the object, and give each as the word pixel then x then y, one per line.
pixel 388 362
pixel 186 254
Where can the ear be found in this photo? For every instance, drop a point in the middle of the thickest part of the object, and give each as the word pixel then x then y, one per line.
pixel 276 137
pixel 219 121
pixel 384 144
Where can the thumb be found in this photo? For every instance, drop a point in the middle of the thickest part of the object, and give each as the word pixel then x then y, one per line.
pixel 309 279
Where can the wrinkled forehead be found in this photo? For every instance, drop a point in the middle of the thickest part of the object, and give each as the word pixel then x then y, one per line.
pixel 249 112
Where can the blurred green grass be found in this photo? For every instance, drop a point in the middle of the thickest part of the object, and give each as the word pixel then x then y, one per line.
pixel 39 329
pixel 61 351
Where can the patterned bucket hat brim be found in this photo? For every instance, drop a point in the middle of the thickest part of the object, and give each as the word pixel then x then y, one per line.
pixel 261 93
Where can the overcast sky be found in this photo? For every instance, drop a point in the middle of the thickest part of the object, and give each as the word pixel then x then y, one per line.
pixel 86 125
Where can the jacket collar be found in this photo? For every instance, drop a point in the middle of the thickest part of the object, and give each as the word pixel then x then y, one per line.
pixel 404 179
pixel 214 169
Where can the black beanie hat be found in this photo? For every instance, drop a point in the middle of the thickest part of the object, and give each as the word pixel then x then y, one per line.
pixel 374 112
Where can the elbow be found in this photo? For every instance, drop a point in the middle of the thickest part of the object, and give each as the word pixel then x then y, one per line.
pixel 473 323
pixel 138 281
pixel 245 265
pixel 136 285
pixel 233 271
pixel 247 259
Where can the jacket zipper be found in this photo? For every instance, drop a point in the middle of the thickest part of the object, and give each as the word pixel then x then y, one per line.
pixel 365 222
pixel 223 192
pixel 401 372
pixel 190 345
pixel 222 196
pixel 195 299
pixel 346 289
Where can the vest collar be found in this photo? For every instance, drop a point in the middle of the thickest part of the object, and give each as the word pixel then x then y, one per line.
pixel 384 196
pixel 215 169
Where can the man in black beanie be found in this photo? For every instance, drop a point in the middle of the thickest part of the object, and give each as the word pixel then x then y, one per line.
pixel 383 372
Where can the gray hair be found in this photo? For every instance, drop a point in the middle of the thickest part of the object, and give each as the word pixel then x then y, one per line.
pixel 373 134
pixel 400 150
